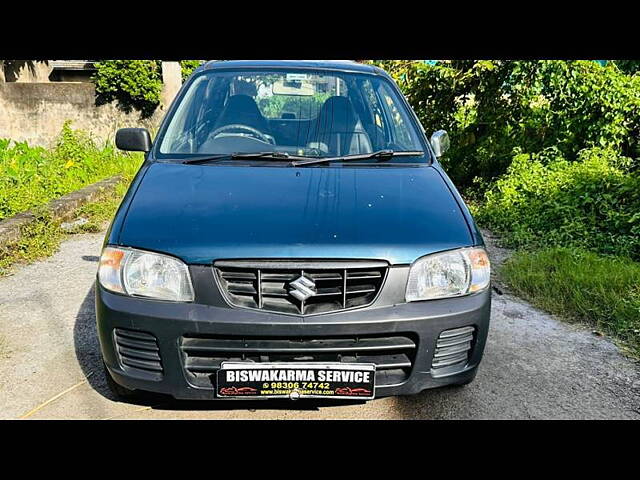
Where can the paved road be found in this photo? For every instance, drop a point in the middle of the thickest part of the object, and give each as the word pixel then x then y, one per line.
pixel 534 365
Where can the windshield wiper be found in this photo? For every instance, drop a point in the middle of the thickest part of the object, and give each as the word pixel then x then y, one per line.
pixel 240 156
pixel 205 159
pixel 271 155
pixel 299 161
pixel 381 155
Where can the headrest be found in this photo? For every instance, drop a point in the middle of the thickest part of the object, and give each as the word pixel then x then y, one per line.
pixel 337 115
pixel 242 104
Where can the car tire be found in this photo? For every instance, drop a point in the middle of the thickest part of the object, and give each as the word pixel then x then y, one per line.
pixel 118 390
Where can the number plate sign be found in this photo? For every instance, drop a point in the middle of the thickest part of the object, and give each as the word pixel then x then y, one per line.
pixel 296 380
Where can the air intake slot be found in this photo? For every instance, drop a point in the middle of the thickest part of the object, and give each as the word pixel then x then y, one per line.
pixel 138 352
pixel 452 351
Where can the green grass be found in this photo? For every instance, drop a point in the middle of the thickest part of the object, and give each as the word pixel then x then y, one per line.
pixel 602 291
pixel 32 176
pixel 101 212
pixel 42 238
pixel 38 239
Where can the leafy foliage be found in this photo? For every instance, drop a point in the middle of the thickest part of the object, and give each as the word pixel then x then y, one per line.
pixel 494 110
pixel 32 176
pixel 132 83
pixel 628 66
pixel 545 200
pixel 188 66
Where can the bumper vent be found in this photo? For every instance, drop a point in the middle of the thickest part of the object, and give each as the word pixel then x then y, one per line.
pixel 393 356
pixel 138 352
pixel 452 351
pixel 300 288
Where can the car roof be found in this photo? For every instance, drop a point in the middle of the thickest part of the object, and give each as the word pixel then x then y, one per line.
pixel 341 65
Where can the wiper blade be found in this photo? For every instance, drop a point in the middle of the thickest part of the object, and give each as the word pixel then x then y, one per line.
pixel 298 161
pixel 240 156
pixel 206 158
pixel 270 155
pixel 381 155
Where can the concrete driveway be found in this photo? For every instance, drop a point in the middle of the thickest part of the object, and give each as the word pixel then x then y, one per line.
pixel 534 366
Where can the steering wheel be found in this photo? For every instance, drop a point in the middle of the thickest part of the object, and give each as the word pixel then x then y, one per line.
pixel 238 126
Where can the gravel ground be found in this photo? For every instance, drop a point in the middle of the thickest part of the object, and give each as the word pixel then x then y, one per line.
pixel 535 366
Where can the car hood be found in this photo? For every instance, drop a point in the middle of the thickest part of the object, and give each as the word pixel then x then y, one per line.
pixel 201 213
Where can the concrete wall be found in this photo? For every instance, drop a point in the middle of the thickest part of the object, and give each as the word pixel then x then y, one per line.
pixel 35 112
pixel 171 81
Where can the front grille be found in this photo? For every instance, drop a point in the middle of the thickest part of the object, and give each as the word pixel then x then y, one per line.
pixel 138 351
pixel 393 355
pixel 452 351
pixel 303 288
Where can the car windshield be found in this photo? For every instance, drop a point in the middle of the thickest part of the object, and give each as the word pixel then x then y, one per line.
pixel 297 112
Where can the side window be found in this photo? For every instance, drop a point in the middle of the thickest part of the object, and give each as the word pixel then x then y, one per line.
pixel 180 135
pixel 378 133
pixel 397 119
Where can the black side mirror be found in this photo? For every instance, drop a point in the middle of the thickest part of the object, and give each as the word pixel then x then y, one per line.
pixel 133 139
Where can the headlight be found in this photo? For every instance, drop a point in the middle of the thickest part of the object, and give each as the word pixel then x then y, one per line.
pixel 145 274
pixel 448 274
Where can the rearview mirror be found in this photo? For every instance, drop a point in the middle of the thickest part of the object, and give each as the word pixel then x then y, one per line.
pixel 440 142
pixel 133 139
pixel 299 88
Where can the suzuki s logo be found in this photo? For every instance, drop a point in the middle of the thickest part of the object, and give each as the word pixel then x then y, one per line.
pixel 302 288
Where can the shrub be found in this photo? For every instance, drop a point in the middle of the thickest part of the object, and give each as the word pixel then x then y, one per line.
pixel 496 109
pixel 580 104
pixel 628 66
pixel 132 83
pixel 546 200
pixel 31 176
pixel 188 66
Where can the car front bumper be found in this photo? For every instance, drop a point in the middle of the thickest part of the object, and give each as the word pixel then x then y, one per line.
pixel 170 322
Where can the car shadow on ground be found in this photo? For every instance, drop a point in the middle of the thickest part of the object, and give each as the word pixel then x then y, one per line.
pixel 87 349
pixel 444 403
